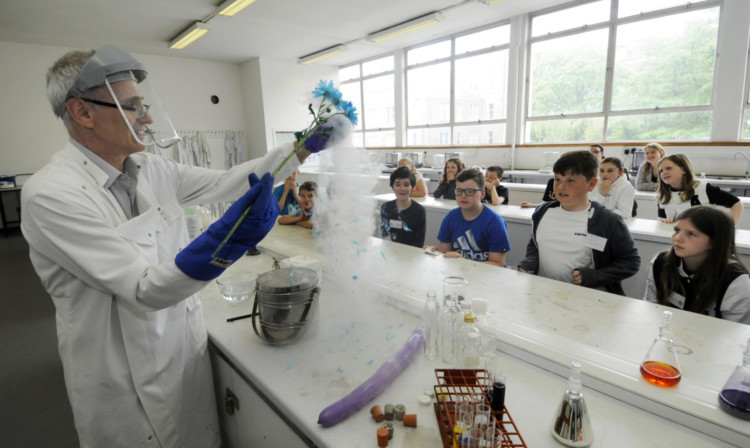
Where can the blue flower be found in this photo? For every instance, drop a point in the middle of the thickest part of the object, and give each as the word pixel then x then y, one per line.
pixel 328 92
pixel 349 110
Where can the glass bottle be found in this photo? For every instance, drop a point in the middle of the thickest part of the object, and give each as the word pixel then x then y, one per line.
pixel 431 328
pixel 660 365
pixel 448 314
pixel 735 395
pixel 468 342
pixel 572 425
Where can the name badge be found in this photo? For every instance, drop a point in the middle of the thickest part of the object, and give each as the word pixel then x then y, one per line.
pixel 677 300
pixel 396 224
pixel 595 242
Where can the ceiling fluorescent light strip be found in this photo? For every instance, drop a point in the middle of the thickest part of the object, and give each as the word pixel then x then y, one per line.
pixel 491 2
pixel 322 54
pixel 231 7
pixel 405 27
pixel 189 36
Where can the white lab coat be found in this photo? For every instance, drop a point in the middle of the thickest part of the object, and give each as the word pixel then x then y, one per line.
pixel 130 327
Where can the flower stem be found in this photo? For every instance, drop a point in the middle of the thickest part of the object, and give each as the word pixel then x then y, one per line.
pixel 244 214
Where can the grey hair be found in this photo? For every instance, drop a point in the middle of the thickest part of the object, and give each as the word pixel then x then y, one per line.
pixel 61 77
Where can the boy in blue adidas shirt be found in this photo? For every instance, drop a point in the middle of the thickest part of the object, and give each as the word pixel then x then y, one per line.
pixel 473 231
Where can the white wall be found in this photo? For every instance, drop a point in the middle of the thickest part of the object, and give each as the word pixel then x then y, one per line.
pixel 255 120
pixel 283 91
pixel 30 133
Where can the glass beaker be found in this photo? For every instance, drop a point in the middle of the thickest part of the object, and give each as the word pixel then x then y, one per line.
pixel 735 395
pixel 457 285
pixel 660 365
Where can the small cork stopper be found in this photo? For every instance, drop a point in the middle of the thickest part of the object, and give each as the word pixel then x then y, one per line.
pixel 382 437
pixel 399 411
pixel 389 412
pixel 410 420
pixel 377 414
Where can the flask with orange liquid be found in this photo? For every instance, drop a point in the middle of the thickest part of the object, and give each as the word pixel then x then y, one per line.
pixel 660 365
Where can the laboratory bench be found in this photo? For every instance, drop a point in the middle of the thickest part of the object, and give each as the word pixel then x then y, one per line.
pixel 537 326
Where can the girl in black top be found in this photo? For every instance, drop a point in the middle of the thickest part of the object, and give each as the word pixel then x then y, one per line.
pixel 702 272
pixel 680 190
pixel 447 187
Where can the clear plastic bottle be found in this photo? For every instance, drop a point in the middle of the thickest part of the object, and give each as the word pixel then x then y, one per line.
pixel 472 349
pixel 660 365
pixel 735 395
pixel 468 342
pixel 431 327
pixel 448 314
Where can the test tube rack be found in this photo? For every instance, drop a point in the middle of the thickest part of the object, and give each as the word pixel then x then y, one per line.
pixel 455 386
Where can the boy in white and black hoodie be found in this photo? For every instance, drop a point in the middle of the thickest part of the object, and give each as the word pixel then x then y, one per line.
pixel 580 242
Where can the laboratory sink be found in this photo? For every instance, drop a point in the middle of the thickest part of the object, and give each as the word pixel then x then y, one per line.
pixel 737 185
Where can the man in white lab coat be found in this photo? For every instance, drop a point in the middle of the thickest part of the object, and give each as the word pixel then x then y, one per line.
pixel 108 239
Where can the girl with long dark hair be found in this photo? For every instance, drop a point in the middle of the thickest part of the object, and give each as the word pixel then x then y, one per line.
pixel 702 271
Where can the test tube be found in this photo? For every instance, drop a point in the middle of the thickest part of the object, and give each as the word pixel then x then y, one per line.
pixel 482 412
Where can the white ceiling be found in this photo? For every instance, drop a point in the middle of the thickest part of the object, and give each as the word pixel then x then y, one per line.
pixel 280 29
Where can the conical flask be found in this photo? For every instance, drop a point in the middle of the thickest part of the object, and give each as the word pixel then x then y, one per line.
pixel 572 426
pixel 660 365
pixel 735 395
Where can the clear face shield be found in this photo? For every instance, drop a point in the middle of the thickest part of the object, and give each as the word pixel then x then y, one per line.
pixel 141 109
pixel 128 84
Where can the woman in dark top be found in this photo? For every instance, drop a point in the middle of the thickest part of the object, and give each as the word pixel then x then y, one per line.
pixel 447 187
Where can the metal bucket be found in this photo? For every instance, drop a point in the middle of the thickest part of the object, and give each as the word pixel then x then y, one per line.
pixel 286 304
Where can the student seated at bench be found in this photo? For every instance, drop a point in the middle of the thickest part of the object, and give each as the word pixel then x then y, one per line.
pixel 702 271
pixel 419 187
pixel 494 193
pixel 473 231
pixel 403 220
pixel 301 216
pixel 614 191
pixel 578 241
pixel 447 186
pixel 680 190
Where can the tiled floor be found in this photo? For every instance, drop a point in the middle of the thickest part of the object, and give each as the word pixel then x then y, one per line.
pixel 34 407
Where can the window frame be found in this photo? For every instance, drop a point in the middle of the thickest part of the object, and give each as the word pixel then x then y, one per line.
pixel 451 59
pixel 612 25
pixel 361 79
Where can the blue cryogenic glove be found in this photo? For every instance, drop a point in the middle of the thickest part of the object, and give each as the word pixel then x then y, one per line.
pixel 197 261
pixel 318 141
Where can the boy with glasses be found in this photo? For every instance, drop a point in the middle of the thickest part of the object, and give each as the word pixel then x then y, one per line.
pixel 578 241
pixel 473 231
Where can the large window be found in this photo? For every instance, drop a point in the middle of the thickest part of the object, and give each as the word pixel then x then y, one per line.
pixel 370 87
pixel 585 71
pixel 456 89
pixel 659 85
